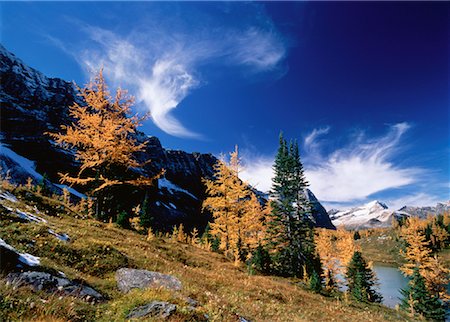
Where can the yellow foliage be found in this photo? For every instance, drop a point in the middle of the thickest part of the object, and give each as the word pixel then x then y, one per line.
pixel 335 249
pixel 326 250
pixel 29 184
pixel 66 196
pixel 418 254
pixel 238 215
pixel 150 235
pixel 102 136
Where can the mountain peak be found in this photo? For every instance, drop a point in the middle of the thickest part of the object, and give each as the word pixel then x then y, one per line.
pixel 376 204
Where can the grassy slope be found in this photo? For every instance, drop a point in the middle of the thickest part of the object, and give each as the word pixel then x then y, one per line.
pixel 383 247
pixel 96 250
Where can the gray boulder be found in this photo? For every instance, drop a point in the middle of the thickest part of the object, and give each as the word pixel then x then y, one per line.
pixel 128 279
pixel 155 308
pixel 41 281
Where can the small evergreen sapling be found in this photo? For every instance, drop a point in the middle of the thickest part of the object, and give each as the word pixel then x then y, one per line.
pixel 315 282
pixel 361 280
pixel 418 300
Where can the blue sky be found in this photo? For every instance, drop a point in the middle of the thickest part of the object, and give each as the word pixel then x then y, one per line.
pixel 362 86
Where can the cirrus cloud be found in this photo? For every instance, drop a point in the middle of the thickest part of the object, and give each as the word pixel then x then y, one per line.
pixel 161 61
pixel 349 174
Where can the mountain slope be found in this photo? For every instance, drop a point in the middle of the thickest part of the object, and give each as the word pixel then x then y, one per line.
pixel 32 104
pixel 95 251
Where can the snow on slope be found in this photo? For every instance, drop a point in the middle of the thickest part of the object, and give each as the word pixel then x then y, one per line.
pixel 26 165
pixel 171 187
pixel 370 215
pixel 27 168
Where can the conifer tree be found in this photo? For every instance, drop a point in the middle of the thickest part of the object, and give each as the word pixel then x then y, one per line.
pixel 361 280
pixel 315 282
pixel 102 138
pixel 289 229
pixel 418 300
pixel 226 201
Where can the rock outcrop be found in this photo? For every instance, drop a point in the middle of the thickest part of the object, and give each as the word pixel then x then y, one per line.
pixel 153 309
pixel 128 279
pixel 423 212
pixel 41 281
pixel 319 213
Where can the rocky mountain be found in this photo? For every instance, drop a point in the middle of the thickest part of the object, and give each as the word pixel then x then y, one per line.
pixel 320 215
pixel 374 214
pixel 33 104
pixel 423 212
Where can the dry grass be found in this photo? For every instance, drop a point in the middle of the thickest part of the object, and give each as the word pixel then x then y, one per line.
pixel 223 290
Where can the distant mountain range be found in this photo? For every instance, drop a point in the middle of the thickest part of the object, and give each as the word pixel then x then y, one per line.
pixel 376 214
pixel 32 104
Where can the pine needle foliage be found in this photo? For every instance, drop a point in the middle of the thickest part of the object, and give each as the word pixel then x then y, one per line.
pixel 417 300
pixel 289 234
pixel 361 280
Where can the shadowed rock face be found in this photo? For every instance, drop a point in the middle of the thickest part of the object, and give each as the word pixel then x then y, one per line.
pixel 41 281
pixel 33 104
pixel 319 213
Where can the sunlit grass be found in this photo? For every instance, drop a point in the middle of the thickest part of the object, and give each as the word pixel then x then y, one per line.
pixel 223 290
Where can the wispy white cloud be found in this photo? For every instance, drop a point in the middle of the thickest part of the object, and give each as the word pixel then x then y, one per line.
pixel 348 175
pixel 161 63
pixel 361 169
pixel 312 139
pixel 258 171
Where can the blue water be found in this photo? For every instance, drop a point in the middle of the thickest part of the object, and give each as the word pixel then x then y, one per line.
pixel 391 281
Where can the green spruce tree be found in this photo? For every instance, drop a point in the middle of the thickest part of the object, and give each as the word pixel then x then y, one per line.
pixel 361 280
pixel 418 300
pixel 260 261
pixel 315 282
pixel 289 229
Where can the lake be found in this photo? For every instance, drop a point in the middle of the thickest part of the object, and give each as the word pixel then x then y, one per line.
pixel 391 280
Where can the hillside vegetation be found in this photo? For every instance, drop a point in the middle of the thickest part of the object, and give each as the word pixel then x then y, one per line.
pixel 96 250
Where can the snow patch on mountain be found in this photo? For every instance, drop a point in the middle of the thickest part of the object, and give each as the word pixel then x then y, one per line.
pixel 171 187
pixel 371 215
pixel 26 165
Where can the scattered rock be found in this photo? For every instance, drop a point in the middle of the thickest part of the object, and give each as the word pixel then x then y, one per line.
pixel 191 301
pixel 41 281
pixel 155 308
pixel 242 319
pixel 128 279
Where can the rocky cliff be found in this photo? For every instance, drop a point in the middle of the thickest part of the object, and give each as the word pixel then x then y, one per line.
pixel 33 104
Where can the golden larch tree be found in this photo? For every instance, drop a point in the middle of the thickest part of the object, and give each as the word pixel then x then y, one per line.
pixel 419 255
pixel 103 139
pixel 238 216
pixel 325 248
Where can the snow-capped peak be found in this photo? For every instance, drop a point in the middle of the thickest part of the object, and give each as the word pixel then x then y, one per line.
pixel 372 214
